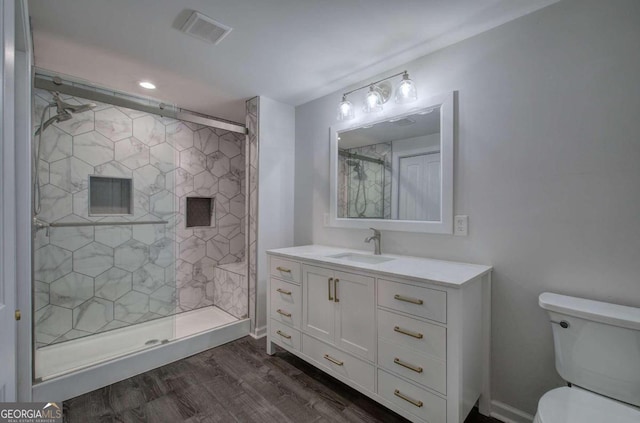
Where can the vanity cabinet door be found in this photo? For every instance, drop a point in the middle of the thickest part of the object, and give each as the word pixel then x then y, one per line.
pixel 355 318
pixel 318 305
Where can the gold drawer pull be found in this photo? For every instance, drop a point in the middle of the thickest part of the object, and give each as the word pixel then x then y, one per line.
pixel 284 335
pixel 407 365
pixel 329 287
pixel 333 360
pixel 283 269
pixel 408 332
pixel 284 313
pixel 406 398
pixel 408 299
pixel 335 289
pixel 282 291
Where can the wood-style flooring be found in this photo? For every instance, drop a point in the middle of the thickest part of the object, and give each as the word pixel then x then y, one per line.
pixel 236 382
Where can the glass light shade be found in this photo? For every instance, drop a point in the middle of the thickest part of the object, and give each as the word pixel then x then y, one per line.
pixel 373 101
pixel 345 109
pixel 406 91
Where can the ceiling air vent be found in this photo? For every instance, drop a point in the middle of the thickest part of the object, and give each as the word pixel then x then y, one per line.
pixel 204 28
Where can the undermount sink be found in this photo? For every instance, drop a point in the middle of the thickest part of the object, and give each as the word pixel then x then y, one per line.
pixel 361 258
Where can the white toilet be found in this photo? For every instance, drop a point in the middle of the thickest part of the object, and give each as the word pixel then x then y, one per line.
pixel 597 349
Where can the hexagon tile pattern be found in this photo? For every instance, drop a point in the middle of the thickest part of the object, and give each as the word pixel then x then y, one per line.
pixel 92 279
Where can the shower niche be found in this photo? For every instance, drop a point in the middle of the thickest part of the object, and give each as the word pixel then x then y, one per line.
pixel 200 212
pixel 110 196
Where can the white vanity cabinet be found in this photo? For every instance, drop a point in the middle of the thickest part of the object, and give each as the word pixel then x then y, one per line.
pixel 411 333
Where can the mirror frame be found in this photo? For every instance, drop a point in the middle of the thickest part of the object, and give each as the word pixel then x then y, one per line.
pixel 445 224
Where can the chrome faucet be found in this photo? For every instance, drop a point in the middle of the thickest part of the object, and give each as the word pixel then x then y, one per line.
pixel 376 238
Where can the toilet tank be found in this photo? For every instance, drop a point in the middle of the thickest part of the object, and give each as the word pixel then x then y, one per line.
pixel 597 345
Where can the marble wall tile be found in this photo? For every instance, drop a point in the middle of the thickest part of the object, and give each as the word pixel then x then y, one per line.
pixel 71 290
pixel 193 161
pixel 71 238
pixel 148 278
pixel 52 322
pixel 113 169
pixel 92 315
pixel 163 204
pixel 217 247
pixel 205 184
pixel 206 140
pixel 192 250
pixel 51 263
pixel 131 306
pixel 132 153
pixel 56 203
pixel 40 295
pixel 113 124
pixel 149 130
pixel 163 300
pixel 164 157
pixel 218 164
pixel 179 136
pixel 113 236
pixel 93 148
pixel 229 226
pixel 149 180
pixel 163 252
pixel 131 255
pixel 70 174
pixel 230 145
pixel 229 185
pixel 179 181
pixel 93 259
pixel 113 284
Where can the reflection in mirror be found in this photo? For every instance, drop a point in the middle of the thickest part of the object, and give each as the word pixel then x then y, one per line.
pixel 392 169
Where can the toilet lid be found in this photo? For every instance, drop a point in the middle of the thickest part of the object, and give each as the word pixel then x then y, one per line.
pixel 574 405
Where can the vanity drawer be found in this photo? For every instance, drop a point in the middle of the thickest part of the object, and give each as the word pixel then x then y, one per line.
pixel 284 335
pixel 409 397
pixel 340 362
pixel 426 370
pixel 426 338
pixel 416 300
pixel 286 302
pixel 286 269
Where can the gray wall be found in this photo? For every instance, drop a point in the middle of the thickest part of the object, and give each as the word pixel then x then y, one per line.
pixel 546 168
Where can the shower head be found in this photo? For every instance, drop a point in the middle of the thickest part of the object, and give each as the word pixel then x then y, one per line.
pixel 64 107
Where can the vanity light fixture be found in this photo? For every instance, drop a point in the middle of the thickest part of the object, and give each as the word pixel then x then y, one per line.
pixel 345 109
pixel 148 85
pixel 379 93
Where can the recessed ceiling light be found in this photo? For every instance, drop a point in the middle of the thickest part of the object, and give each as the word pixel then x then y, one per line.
pixel 148 85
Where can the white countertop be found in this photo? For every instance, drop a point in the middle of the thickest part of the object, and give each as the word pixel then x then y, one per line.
pixel 441 272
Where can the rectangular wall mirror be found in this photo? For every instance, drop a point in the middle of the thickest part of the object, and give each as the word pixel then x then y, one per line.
pixel 395 171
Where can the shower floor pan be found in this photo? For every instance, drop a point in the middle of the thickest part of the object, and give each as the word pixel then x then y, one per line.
pixel 74 367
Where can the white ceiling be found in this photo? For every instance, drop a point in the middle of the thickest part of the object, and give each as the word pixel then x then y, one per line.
pixel 290 50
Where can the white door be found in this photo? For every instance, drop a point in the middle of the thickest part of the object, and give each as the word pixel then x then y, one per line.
pixel 355 320
pixel 8 334
pixel 318 304
pixel 419 187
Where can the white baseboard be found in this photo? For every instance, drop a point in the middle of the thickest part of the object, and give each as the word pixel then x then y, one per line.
pixel 258 333
pixel 509 414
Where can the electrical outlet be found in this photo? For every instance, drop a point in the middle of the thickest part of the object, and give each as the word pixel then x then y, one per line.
pixel 326 219
pixel 461 225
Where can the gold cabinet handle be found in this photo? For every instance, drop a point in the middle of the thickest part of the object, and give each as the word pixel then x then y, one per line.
pixel 408 332
pixel 284 313
pixel 284 335
pixel 399 362
pixel 408 399
pixel 329 286
pixel 408 299
pixel 333 360
pixel 335 289
pixel 282 291
pixel 283 269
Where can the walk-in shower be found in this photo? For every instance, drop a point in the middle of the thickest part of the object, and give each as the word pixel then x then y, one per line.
pixel 117 269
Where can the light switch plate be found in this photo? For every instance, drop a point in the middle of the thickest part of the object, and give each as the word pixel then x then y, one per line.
pixel 461 225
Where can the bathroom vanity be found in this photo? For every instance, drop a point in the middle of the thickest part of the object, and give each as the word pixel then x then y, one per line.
pixel 410 333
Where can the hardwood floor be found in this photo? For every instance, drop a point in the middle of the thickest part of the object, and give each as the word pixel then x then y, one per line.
pixel 236 382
